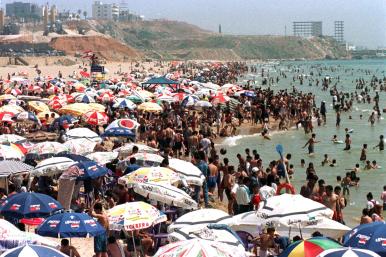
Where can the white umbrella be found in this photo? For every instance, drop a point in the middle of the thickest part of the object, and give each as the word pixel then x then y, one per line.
pixel 211 232
pixel 199 247
pixel 167 194
pixel 10 152
pixel 253 224
pixel 102 157
pixel 11 138
pixel 143 159
pixel 287 209
pixel 80 146
pixel 124 103
pixel 52 166
pixel 128 148
pixel 201 217
pixel 83 133
pixel 192 174
pixel 203 104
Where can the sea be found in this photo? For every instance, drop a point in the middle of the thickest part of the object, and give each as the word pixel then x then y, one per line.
pixel 293 140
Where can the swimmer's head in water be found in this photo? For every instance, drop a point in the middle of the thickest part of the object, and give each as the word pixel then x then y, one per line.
pixel 223 151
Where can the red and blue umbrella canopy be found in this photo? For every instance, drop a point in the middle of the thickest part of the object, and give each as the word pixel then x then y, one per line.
pixel 70 224
pixel 29 205
pixel 371 236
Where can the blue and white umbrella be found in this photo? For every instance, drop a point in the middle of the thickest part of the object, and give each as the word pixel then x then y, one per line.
pixel 348 252
pixel 371 236
pixel 26 117
pixel 29 205
pixel 91 170
pixel 69 224
pixel 33 251
pixel 121 103
pixel 189 100
pixel 84 98
pixel 118 132
pixel 65 119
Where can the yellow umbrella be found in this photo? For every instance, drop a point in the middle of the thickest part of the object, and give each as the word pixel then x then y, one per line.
pixel 97 107
pixel 11 108
pixel 7 97
pixel 39 106
pixel 145 94
pixel 150 107
pixel 42 115
pixel 76 109
pixel 150 174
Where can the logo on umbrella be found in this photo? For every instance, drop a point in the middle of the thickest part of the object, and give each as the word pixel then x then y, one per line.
pixel 381 240
pixel 53 223
pixel 14 207
pixel 90 222
pixel 34 207
pixel 52 205
pixel 362 239
pixel 73 223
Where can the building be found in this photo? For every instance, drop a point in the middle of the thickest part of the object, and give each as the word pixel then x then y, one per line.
pixel 339 31
pixel 101 11
pixel 307 28
pixel 24 11
pixel 2 21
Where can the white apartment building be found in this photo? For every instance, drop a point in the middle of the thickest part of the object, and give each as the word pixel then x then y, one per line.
pixel 101 11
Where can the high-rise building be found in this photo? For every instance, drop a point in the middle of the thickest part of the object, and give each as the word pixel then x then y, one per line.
pixel 101 11
pixel 339 31
pixel 307 28
pixel 53 14
pixel 24 11
pixel 2 21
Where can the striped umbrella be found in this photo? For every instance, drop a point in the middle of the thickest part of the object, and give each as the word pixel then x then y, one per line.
pixel 52 166
pixel 13 167
pixel 309 247
pixel 26 117
pixel 348 252
pixel 10 152
pixel 33 251
pixel 84 98
pixel 96 118
pixel 122 103
pixel 199 248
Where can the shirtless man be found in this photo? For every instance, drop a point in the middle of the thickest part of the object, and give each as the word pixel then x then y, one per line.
pixel 100 242
pixel 381 144
pixel 311 144
pixel 267 241
pixel 193 142
pixel 334 202
pixel 228 183
pixel 68 249
pixel 213 174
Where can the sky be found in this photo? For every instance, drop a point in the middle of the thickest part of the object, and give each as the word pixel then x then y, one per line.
pixel 365 20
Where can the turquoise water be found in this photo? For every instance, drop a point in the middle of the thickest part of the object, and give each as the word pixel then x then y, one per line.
pixel 293 140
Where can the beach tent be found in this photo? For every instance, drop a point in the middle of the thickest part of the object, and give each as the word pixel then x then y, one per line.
pixel 159 81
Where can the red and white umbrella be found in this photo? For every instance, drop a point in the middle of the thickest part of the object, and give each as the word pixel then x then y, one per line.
pixel 54 90
pixel 179 96
pixel 84 74
pixel 106 97
pixel 33 88
pixel 96 118
pixel 16 91
pixel 56 104
pixel 64 98
pixel 123 123
pixel 6 116
pixel 220 98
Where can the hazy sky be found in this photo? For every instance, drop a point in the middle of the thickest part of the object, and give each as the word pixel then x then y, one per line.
pixel 365 20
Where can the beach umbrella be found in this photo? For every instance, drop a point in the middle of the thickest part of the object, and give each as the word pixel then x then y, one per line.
pixel 192 174
pixel 80 146
pixel 119 132
pixel 310 247
pixel 288 209
pixel 45 149
pixel 52 166
pixel 132 216
pixel 6 116
pixel 190 100
pixel 84 74
pixel 179 96
pixel 38 106
pixel 83 133
pixel 70 224
pixel 10 152
pixel 64 119
pixel 348 252
pixel 26 117
pixel 79 87
pixel 7 97
pixel 76 109
pixel 29 205
pixel 74 157
pixel 371 236
pixel 11 138
pixel 122 103
pixel 202 104
pixel 102 157
pixel 220 98
pixel 135 99
pixel 165 193
pixel 33 251
pixel 199 247
pixel 56 104
pixel 16 91
pixel 150 174
pixel 84 98
pixel 150 107
pixel 97 107
pixel 144 159
pixel 212 232
pixel 128 149
pixel 202 217
pixel 123 123
pixel 63 98
pixel 106 97
pixel 8 168
pixel 11 108
pixel 90 170
pixel 10 241
pixel 96 118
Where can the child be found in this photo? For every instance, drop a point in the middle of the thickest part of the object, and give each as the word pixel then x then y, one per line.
pixel 302 163
pixel 363 153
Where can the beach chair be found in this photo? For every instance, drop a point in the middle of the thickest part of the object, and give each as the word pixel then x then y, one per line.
pixel 246 239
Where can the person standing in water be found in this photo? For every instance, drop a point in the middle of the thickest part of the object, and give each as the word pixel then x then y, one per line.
pixel 381 144
pixel 347 141
pixel 311 144
pixel 363 153
pixel 372 119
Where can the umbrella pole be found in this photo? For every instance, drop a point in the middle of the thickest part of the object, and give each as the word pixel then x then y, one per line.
pixel 289 232
pixel 135 250
pixel 300 230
